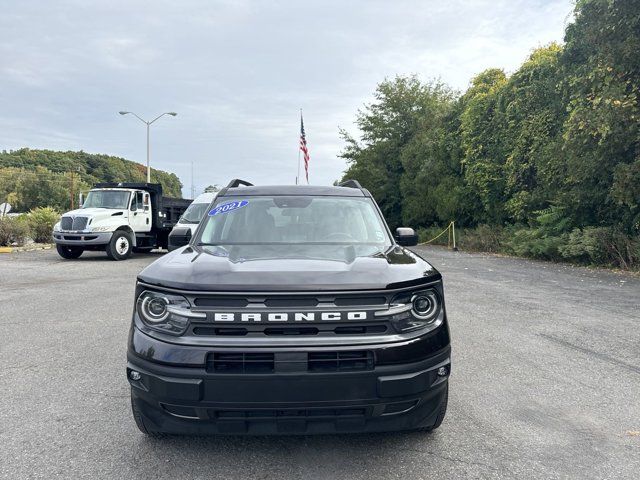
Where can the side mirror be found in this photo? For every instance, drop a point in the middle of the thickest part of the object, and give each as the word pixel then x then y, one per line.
pixel 81 199
pixel 179 237
pixel 406 237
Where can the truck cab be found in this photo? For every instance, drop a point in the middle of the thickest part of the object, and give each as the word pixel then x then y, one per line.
pixel 119 219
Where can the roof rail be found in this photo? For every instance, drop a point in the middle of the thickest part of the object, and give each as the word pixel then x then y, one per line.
pixel 236 182
pixel 351 184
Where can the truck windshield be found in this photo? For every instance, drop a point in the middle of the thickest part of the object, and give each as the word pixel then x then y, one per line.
pixel 107 199
pixel 304 221
pixel 194 213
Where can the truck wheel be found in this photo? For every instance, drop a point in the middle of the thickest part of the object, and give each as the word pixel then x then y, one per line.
pixel 120 246
pixel 68 252
pixel 137 416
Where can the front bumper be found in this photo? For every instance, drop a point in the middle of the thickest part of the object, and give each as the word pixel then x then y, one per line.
pixel 81 239
pixel 197 400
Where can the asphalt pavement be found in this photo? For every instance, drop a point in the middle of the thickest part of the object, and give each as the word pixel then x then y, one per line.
pixel 545 382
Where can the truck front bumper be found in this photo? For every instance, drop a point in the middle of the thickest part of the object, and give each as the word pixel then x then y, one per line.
pixel 200 400
pixel 82 239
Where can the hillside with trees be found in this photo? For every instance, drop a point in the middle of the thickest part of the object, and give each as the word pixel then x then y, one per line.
pixel 39 178
pixel 544 162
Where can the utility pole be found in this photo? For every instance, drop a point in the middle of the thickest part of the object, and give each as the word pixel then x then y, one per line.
pixel 72 188
pixel 148 124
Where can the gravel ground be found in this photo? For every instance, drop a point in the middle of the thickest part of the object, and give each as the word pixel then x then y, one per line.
pixel 545 383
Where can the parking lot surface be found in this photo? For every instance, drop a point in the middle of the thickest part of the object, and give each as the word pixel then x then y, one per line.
pixel 545 382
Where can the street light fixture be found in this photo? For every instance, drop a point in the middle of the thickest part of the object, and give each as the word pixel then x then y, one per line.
pixel 148 124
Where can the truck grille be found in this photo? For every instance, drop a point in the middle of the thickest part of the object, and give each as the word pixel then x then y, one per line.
pixel 66 223
pixel 74 223
pixel 80 223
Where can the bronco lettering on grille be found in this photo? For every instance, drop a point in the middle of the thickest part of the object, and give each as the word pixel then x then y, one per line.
pixel 288 317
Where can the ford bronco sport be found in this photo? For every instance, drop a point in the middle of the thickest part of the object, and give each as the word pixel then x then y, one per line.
pixel 292 309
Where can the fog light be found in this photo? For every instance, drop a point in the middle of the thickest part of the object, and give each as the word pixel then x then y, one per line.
pixel 135 376
pixel 442 371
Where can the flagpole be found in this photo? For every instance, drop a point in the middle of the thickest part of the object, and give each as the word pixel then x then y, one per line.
pixel 298 177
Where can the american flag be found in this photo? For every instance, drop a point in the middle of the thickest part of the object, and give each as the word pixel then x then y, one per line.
pixel 303 148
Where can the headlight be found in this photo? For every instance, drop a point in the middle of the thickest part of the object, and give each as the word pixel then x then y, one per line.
pixel 56 227
pixel 165 312
pixel 425 305
pixel 414 310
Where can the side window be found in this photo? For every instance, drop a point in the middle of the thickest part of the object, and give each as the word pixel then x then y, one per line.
pixel 137 201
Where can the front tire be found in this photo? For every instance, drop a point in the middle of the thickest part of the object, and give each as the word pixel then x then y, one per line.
pixel 120 246
pixel 65 251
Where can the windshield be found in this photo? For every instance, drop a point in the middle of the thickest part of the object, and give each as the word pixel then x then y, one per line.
pixel 116 199
pixel 301 226
pixel 194 213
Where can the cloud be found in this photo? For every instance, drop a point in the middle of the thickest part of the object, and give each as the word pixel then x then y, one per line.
pixel 237 73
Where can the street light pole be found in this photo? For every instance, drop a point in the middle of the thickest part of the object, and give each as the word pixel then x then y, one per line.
pixel 148 156
pixel 148 124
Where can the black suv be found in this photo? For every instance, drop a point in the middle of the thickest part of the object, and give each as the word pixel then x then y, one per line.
pixel 291 310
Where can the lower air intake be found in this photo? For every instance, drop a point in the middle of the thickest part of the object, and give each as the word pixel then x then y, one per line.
pixel 240 362
pixel 347 361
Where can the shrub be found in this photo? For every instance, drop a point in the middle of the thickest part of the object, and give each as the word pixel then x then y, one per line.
pixel 13 230
pixel 41 222
pixel 533 243
pixel 483 238
pixel 603 246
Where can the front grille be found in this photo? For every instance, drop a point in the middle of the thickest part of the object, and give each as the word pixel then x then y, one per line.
pixel 272 331
pixel 341 361
pixel 73 223
pixel 80 223
pixel 287 303
pixel 66 223
pixel 290 331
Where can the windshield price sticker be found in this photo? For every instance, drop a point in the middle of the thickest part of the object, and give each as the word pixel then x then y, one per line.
pixel 228 207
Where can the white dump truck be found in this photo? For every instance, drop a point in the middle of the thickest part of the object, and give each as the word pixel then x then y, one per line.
pixel 119 218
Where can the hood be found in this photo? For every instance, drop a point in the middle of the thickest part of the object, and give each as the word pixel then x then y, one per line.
pixel 211 268
pixel 96 213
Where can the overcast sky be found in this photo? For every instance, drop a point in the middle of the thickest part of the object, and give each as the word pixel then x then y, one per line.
pixel 237 73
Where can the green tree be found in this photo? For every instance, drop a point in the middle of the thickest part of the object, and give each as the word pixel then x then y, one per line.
pixel 482 129
pixel 534 113
pixel 602 132
pixel 387 157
